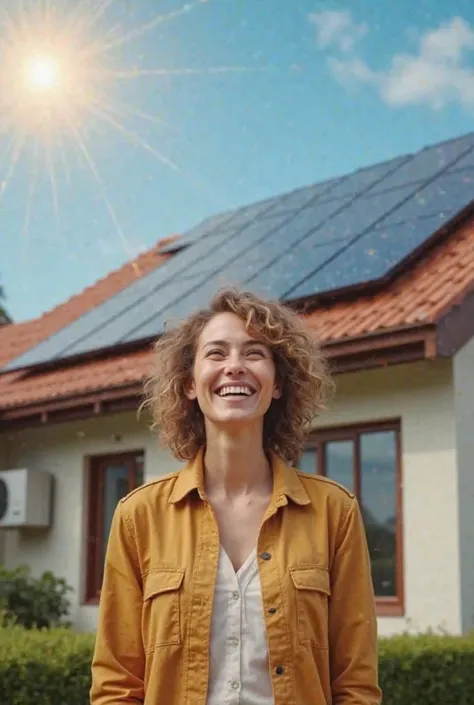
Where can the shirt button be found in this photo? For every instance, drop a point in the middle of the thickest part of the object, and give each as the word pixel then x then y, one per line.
pixel 272 610
pixel 279 670
pixel 236 594
pixel 234 641
pixel 265 556
pixel 235 685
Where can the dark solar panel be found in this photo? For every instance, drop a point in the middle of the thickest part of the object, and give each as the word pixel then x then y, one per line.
pixel 206 227
pixel 361 180
pixel 351 230
pixel 300 198
pixel 466 162
pixel 447 195
pixel 426 164
pixel 373 256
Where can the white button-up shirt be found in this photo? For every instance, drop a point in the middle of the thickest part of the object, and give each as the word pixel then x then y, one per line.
pixel 239 672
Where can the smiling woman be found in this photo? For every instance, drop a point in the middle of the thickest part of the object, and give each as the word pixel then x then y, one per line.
pixel 237 579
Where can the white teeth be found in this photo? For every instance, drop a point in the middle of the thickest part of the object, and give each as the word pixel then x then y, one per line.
pixel 226 391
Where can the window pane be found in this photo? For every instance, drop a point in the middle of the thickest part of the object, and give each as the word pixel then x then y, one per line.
pixel 139 472
pixel 116 486
pixel 309 461
pixel 378 500
pixel 118 482
pixel 339 456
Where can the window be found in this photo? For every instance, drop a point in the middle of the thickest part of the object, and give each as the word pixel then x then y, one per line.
pixel 366 460
pixel 111 477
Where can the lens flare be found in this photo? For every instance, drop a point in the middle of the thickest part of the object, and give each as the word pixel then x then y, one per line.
pixel 42 73
pixel 62 70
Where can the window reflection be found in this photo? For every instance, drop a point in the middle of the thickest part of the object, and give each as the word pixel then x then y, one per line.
pixel 110 479
pixel 116 486
pixel 378 465
pixel 309 461
pixel 339 465
pixel 366 462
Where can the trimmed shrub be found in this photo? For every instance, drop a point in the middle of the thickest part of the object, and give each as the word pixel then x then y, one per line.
pixel 34 603
pixel 52 667
pixel 44 667
pixel 430 669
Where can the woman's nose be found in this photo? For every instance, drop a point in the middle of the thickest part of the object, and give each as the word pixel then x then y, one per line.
pixel 234 365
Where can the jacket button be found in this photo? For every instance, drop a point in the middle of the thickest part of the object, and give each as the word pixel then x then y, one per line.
pixel 279 670
pixel 272 610
pixel 265 556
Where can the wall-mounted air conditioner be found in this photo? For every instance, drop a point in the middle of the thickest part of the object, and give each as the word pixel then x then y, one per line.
pixel 25 498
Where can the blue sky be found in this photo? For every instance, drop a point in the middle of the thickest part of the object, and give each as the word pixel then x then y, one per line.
pixel 319 89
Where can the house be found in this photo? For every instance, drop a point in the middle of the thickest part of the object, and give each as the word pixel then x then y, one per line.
pixel 381 264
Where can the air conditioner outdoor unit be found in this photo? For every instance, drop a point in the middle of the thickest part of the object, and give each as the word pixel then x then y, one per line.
pixel 25 498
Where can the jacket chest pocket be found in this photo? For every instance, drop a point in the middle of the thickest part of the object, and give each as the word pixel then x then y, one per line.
pixel 313 590
pixel 161 614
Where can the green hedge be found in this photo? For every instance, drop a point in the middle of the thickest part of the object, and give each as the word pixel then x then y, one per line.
pixel 53 668
pixel 44 667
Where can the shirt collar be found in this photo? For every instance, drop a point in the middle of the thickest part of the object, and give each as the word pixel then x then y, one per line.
pixel 286 483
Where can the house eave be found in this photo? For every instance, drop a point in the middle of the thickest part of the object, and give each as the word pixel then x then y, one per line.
pixel 349 355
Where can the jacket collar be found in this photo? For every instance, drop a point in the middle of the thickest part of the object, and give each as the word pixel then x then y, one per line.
pixel 286 483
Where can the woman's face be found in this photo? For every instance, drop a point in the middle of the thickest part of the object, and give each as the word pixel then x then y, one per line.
pixel 234 373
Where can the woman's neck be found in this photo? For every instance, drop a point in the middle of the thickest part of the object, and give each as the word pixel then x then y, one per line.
pixel 236 464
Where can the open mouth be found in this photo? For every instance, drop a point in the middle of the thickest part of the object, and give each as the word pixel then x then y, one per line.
pixel 234 391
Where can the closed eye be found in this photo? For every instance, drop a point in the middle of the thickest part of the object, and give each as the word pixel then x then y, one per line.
pixel 258 353
pixel 215 353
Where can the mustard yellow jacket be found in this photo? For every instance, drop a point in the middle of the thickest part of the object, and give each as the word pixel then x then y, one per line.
pixel 155 610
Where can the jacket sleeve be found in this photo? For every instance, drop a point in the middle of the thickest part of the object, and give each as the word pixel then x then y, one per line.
pixel 118 664
pixel 352 619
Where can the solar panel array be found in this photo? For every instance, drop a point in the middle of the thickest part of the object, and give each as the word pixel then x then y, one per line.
pixel 322 238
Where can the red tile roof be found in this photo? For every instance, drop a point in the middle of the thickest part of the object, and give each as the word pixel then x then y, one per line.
pixel 16 338
pixel 420 296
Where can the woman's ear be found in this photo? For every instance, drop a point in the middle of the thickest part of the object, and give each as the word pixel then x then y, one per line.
pixel 190 390
pixel 276 391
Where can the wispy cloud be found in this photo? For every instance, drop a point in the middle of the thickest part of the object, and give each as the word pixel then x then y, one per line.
pixel 438 73
pixel 337 29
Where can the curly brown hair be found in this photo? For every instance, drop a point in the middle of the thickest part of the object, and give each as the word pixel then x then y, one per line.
pixel 300 370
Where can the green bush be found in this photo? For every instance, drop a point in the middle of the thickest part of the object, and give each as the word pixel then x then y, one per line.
pixel 44 667
pixel 53 668
pixel 430 669
pixel 34 603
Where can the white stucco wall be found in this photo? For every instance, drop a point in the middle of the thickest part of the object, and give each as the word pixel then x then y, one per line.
pixel 463 373
pixel 421 395
pixel 61 450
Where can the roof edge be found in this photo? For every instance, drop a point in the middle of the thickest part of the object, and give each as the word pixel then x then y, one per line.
pixel 367 352
pixel 455 326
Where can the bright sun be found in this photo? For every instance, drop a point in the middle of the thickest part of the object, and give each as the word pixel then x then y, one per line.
pixel 61 81
pixel 42 73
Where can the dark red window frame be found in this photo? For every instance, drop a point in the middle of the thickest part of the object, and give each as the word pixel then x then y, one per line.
pixel 386 606
pixel 96 471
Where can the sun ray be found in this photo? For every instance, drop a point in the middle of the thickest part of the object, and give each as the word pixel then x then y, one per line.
pixel 123 111
pixel 17 145
pixel 103 191
pixel 148 26
pixel 30 197
pixel 63 75
pixel 64 161
pixel 51 168
pixel 133 137
pixel 136 73
pixel 82 18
